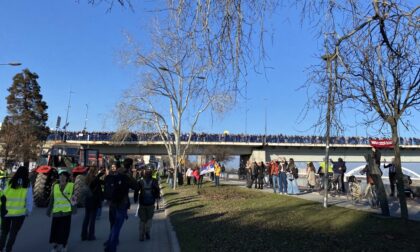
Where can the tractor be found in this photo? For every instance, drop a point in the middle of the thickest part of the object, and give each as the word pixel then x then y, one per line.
pixel 71 157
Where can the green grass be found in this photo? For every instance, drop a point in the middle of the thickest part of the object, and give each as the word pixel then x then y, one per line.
pixel 232 218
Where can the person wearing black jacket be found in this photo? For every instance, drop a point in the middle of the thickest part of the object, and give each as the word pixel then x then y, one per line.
pixel 339 168
pixel 260 174
pixel 392 174
pixel 93 200
pixel 119 205
pixel 149 193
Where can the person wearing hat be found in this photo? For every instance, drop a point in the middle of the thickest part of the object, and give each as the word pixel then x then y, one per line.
pixel 60 208
pixel 17 203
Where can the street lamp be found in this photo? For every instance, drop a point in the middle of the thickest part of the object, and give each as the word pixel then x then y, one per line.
pixel 170 71
pixel 11 64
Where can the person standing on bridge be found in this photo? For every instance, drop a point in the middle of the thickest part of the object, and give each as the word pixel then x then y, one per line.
pixel 18 201
pixel 60 207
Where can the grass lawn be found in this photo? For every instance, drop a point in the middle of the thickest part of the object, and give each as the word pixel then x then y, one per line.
pixel 231 218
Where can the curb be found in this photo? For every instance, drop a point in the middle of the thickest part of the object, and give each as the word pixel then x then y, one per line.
pixel 173 240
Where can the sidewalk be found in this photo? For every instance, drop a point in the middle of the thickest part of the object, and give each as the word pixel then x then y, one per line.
pixel 36 229
pixel 342 201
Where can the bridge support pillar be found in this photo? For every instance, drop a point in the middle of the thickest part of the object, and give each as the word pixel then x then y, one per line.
pixel 259 155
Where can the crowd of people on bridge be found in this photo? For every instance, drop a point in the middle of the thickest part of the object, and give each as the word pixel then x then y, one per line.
pixel 224 137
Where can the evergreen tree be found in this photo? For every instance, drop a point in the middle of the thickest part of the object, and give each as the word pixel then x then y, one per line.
pixel 24 128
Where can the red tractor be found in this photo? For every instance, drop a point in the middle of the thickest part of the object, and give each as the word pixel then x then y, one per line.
pixel 71 157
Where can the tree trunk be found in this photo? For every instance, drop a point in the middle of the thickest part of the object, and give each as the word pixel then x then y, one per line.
pixel 383 200
pixel 399 174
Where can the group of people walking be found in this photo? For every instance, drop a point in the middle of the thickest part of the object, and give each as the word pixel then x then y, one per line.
pixel 112 186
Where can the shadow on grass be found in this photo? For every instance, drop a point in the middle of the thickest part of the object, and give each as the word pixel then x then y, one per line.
pixel 181 201
pixel 265 222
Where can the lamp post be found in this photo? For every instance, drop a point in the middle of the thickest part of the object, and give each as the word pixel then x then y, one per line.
pixel 67 117
pixel 11 64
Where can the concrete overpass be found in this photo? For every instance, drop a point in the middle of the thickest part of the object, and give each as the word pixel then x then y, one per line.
pixel 301 152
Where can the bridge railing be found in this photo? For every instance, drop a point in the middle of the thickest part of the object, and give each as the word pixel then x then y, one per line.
pixel 204 137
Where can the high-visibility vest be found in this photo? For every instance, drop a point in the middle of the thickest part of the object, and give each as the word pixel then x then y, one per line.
pixel 3 174
pixel 217 169
pixel 155 174
pixel 15 201
pixel 330 168
pixel 61 203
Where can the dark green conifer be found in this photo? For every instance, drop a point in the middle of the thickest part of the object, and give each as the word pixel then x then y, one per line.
pixel 24 128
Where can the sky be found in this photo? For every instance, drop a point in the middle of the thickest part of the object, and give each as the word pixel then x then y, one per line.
pixel 75 49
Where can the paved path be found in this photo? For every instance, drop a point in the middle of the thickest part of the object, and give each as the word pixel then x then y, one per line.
pixel 34 235
pixel 342 201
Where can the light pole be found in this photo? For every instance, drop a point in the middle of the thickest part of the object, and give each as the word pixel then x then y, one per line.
pixel 11 64
pixel 86 117
pixel 67 117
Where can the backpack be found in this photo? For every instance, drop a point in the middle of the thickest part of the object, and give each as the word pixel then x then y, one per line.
pixel 147 193
pixel 116 188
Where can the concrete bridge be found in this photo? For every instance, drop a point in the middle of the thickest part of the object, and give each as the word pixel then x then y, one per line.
pixel 301 152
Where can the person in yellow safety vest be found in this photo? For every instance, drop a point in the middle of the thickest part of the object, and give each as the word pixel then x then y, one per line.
pixel 217 172
pixel 17 203
pixel 322 167
pixel 321 171
pixel 60 208
pixel 155 174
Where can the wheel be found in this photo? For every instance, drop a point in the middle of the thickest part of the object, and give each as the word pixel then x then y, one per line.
pixel 80 189
pixel 42 189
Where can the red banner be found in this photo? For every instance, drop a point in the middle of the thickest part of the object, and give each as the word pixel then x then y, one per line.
pixel 381 143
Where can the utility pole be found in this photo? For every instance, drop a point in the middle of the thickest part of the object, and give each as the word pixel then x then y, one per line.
pixel 67 117
pixel 265 116
pixel 328 58
pixel 246 109
pixel 86 117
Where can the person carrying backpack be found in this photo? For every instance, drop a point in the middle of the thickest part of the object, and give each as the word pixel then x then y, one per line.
pixel 116 192
pixel 149 192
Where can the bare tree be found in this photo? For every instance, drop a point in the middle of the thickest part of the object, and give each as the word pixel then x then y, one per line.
pixel 199 51
pixel 381 70
pixel 177 86
pixel 377 66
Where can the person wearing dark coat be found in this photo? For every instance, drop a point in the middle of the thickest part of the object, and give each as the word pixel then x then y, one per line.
pixel 93 200
pixel 260 174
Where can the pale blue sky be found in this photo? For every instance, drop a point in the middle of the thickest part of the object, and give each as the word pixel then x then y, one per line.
pixel 76 45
